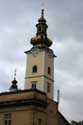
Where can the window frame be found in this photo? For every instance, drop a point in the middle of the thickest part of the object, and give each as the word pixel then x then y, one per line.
pixel 34 83
pixel 34 69
pixel 7 119
pixel 49 70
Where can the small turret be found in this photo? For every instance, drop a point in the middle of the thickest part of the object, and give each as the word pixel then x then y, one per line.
pixel 14 86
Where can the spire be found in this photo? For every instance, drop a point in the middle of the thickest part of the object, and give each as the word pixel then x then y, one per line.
pixel 15 74
pixel 14 86
pixel 41 39
pixel 42 13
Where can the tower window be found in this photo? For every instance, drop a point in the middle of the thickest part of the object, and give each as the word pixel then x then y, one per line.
pixel 48 87
pixel 34 69
pixel 49 70
pixel 7 119
pixel 34 84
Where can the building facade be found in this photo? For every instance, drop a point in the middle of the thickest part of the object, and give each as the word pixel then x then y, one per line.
pixel 35 104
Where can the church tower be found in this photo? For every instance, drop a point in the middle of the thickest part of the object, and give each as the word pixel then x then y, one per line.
pixel 40 60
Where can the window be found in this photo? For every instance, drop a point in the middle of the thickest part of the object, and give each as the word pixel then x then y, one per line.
pixel 49 70
pixel 34 69
pixel 39 121
pixel 34 84
pixel 7 119
pixel 48 87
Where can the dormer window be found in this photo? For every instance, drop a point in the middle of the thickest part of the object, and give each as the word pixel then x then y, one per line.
pixel 34 69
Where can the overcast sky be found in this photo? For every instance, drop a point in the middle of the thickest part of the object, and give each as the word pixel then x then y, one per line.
pixel 65 21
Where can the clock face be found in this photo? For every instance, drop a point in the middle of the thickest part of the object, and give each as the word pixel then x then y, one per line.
pixel 35 51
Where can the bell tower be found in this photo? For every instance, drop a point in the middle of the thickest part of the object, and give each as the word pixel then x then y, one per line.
pixel 40 60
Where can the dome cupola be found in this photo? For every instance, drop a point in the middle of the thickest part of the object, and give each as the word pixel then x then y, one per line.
pixel 41 39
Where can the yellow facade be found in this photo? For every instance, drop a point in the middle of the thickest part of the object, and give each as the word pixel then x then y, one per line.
pixel 30 107
pixel 28 113
pixel 42 60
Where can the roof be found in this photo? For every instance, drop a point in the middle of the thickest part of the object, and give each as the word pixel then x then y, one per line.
pixel 63 118
pixel 23 97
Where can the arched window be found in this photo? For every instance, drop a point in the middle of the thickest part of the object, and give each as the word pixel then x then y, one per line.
pixel 34 69
pixel 49 70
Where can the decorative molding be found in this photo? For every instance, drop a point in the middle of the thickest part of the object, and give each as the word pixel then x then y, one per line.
pixel 23 102
pixel 40 76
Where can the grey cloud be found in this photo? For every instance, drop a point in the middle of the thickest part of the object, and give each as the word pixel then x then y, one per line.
pixel 69 57
pixel 69 76
pixel 67 19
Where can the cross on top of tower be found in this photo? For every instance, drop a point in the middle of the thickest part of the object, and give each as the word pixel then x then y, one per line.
pixel 42 4
pixel 42 8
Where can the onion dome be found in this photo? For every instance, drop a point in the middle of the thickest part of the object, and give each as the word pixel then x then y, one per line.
pixel 14 86
pixel 41 38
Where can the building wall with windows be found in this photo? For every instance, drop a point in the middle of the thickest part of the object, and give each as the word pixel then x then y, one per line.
pixel 22 108
pixel 27 107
